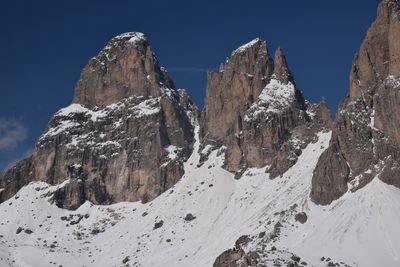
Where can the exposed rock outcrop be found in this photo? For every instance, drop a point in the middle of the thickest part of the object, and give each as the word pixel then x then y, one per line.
pixel 266 254
pixel 366 136
pixel 232 89
pixel 126 67
pixel 229 258
pixel 124 138
pixel 253 108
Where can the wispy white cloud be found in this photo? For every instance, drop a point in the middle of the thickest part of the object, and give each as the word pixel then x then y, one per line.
pixel 12 133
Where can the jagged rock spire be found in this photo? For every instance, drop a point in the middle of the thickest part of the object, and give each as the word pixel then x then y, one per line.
pixel 251 107
pixel 252 58
pixel 236 86
pixel 281 69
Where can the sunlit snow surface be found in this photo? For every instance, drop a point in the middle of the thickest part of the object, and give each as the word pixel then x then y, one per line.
pixel 245 47
pixel 67 116
pixel 276 97
pixel 360 229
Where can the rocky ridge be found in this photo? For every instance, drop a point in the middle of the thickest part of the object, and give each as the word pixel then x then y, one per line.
pixel 366 141
pixel 128 131
pixel 127 112
pixel 253 108
pixel 128 136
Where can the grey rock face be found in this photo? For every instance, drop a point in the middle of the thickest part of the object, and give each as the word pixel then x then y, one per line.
pixel 244 256
pixel 281 68
pixel 366 139
pixel 232 90
pixel 330 176
pixel 380 52
pixel 125 67
pixel 229 258
pixel 15 178
pixel 124 138
pixel 253 108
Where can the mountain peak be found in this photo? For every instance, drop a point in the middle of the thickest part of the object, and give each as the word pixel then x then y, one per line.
pixel 125 67
pixel 248 58
pixel 281 69
pixel 247 46
pixel 136 130
pixel 131 136
pixel 135 40
pixel 238 82
pixel 132 37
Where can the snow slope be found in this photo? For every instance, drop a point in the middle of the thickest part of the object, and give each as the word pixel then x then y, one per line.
pixel 274 98
pixel 359 229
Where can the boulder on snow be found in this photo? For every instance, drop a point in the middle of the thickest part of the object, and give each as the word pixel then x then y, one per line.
pixel 189 217
pixel 158 225
pixel 301 217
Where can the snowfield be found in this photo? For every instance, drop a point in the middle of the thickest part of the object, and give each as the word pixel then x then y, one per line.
pixel 360 229
pixel 274 98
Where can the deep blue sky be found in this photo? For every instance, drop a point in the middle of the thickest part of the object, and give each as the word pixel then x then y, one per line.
pixel 45 44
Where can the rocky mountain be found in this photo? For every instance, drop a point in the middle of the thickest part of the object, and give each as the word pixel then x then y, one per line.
pixel 124 137
pixel 254 109
pixel 132 174
pixel 366 140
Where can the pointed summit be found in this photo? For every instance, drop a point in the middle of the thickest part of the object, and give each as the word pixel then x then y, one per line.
pixel 234 88
pixel 255 42
pixel 132 37
pixel 135 39
pixel 281 70
pixel 250 58
pixel 125 67
pixel 252 108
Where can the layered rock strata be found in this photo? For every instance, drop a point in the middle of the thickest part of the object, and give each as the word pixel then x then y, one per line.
pixel 124 137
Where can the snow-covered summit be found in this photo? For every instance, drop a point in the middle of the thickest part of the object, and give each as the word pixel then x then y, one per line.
pixel 246 46
pixel 135 39
pixel 131 37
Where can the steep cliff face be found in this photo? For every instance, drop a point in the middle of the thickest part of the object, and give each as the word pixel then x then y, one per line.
pixel 124 138
pixel 366 138
pixel 232 89
pixel 125 67
pixel 253 108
